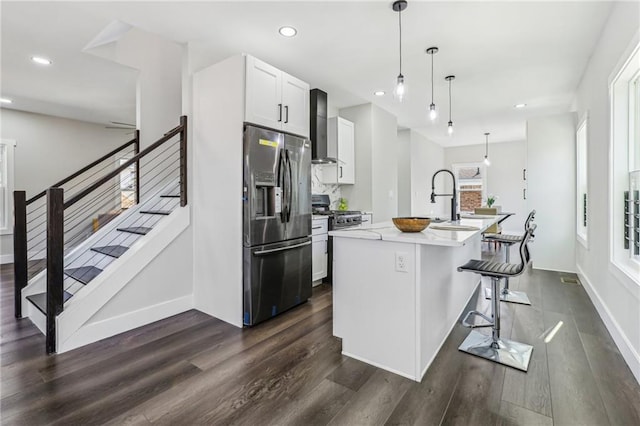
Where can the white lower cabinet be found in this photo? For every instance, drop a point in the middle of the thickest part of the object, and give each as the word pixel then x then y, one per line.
pixel 319 249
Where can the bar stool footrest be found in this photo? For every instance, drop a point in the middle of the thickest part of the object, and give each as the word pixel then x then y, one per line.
pixel 511 296
pixel 503 351
pixel 467 324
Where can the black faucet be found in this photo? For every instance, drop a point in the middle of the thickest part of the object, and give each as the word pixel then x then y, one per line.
pixel 454 198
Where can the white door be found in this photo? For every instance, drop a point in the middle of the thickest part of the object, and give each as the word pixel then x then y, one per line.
pixel 263 104
pixel 295 101
pixel 346 152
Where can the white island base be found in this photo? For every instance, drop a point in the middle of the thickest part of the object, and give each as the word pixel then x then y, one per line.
pixel 399 320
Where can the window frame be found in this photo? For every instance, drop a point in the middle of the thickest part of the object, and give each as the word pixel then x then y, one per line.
pixel 582 166
pixel 10 144
pixel 483 168
pixel 623 102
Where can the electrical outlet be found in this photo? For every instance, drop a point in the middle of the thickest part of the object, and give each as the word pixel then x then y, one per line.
pixel 402 258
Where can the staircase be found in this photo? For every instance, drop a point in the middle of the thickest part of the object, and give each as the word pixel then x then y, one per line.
pixel 87 261
pixel 77 255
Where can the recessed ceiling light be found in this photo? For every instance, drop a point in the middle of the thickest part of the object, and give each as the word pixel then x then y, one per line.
pixel 379 93
pixel 288 31
pixel 40 60
pixel 6 101
pixel 520 105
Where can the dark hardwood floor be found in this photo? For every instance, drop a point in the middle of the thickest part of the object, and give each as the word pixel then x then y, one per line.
pixel 194 369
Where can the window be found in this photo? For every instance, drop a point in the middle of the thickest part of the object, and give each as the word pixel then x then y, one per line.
pixel 582 201
pixel 471 187
pixel 127 184
pixel 624 201
pixel 6 186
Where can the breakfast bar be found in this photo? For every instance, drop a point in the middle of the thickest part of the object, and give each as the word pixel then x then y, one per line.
pixel 397 295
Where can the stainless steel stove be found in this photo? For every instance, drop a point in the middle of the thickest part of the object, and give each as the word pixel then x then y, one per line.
pixel 338 219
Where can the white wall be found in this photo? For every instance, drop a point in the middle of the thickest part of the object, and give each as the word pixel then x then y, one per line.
pixel 427 157
pixel 384 165
pixel 551 189
pixel 49 149
pixel 504 176
pixel 617 299
pixel 376 156
pixel 404 172
pixel 359 195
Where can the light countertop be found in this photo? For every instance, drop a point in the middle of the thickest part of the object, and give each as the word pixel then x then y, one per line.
pixel 386 231
pixel 319 217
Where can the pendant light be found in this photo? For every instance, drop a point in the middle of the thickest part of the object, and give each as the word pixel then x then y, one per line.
pixel 433 113
pixel 486 150
pixel 399 6
pixel 450 78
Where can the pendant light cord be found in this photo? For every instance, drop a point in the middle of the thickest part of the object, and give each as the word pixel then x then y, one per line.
pixel 432 78
pixel 449 100
pixel 400 26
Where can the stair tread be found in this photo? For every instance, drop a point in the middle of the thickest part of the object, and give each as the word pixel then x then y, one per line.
pixel 170 196
pixel 113 251
pixel 159 212
pixel 84 274
pixel 140 230
pixel 40 300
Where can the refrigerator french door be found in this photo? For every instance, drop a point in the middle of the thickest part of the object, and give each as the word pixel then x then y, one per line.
pixel 276 222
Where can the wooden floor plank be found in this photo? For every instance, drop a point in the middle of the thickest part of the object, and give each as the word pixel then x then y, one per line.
pixel 620 392
pixel 194 369
pixel 375 401
pixel 574 394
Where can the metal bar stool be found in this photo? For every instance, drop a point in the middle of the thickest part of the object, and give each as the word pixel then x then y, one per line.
pixel 503 351
pixel 507 295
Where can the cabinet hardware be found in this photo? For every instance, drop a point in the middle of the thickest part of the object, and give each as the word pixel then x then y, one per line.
pixel 524 174
pixel 584 210
pixel 286 113
pixel 340 171
pixel 279 112
pixel 524 194
pixel 316 227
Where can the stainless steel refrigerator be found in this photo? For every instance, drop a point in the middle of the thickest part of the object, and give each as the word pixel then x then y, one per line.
pixel 277 222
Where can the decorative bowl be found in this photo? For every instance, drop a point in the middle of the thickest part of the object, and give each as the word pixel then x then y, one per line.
pixel 411 224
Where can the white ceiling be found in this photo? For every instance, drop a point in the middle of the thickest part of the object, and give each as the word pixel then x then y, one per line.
pixel 502 53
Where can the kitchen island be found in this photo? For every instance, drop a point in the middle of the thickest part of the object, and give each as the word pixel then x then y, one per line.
pixel 396 295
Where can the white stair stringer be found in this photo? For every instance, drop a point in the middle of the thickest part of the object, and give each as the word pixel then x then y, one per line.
pixel 73 325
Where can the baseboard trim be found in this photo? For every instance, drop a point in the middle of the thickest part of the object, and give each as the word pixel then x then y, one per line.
pixel 93 332
pixel 631 357
pixel 554 270
pixel 6 258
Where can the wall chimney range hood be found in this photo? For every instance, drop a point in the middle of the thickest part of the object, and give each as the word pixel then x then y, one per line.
pixel 318 128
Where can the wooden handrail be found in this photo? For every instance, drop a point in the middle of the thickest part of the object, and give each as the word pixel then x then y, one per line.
pixel 80 195
pixel 85 168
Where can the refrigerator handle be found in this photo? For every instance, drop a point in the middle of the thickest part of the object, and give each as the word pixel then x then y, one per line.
pixel 290 196
pixel 261 252
pixel 281 177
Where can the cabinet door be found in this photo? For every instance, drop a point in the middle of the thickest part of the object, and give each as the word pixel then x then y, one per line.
pixel 263 104
pixel 295 101
pixel 319 257
pixel 346 152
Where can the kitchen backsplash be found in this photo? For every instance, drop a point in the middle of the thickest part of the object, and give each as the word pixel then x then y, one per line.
pixel 317 187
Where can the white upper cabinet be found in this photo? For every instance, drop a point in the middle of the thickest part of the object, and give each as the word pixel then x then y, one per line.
pixel 341 146
pixel 295 100
pixel 275 99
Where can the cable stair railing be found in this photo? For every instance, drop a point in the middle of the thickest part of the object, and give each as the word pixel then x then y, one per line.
pixel 74 215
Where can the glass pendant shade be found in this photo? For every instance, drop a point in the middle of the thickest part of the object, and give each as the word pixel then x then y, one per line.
pixel 400 88
pixel 433 112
